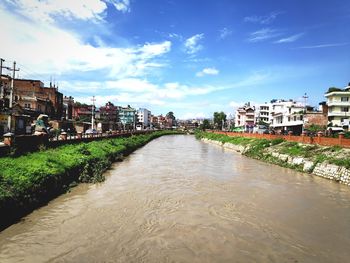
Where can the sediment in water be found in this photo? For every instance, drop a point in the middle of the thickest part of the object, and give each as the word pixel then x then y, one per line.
pixel 328 162
pixel 30 181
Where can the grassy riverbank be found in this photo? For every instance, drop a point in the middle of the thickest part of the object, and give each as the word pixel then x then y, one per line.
pixel 29 181
pixel 286 154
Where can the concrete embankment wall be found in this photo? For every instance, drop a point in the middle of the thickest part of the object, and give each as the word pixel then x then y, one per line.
pixel 324 169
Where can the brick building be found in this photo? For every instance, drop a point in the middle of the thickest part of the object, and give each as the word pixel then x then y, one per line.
pixel 33 97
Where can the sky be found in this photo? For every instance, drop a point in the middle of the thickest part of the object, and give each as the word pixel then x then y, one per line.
pixel 192 57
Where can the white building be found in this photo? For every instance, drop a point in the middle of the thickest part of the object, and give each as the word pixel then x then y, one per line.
pixel 287 116
pixel 263 113
pixel 144 117
pixel 338 101
pixel 245 116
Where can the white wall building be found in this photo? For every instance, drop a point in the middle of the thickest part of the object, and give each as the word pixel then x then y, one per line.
pixel 144 117
pixel 338 101
pixel 263 113
pixel 287 116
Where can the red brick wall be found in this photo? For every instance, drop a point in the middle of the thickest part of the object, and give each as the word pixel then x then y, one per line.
pixel 325 141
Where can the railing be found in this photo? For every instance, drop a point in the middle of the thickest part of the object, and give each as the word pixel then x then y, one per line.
pixel 27 143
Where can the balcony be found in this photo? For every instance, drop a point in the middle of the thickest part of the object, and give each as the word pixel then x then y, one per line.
pixel 338 114
pixel 339 103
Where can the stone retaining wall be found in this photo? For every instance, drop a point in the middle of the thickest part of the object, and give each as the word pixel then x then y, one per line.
pixel 324 169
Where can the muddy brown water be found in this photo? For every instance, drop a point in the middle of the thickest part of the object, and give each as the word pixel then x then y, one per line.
pixel 178 199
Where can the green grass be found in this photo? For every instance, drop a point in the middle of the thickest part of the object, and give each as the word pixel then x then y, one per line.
pixel 257 148
pixel 30 180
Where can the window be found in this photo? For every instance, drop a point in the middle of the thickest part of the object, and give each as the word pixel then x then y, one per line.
pixel 295 118
pixel 288 118
pixel 344 99
pixel 345 109
pixel 301 117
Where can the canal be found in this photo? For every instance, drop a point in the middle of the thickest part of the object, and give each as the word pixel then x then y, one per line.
pixel 178 199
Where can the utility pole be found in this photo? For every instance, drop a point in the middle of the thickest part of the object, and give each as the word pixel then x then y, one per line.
pixel 11 94
pixel 92 112
pixel 1 61
pixel 305 97
pixel 1 86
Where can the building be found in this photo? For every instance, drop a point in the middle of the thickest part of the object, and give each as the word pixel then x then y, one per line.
pixel 68 104
pixel 33 97
pixel 263 113
pixel 107 117
pixel 316 119
pixel 154 122
pixel 338 103
pixel 287 116
pixel 245 117
pixel 144 117
pixel 81 112
pixel 126 117
pixel 109 112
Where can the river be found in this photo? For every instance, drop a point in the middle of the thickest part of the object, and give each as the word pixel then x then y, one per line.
pixel 178 199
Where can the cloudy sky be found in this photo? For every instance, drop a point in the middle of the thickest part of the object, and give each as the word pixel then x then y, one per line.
pixel 193 57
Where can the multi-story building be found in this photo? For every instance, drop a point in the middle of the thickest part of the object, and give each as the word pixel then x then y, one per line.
pixel 82 112
pixel 144 117
pixel 263 113
pixel 33 97
pixel 127 117
pixel 287 116
pixel 109 112
pixel 338 101
pixel 245 116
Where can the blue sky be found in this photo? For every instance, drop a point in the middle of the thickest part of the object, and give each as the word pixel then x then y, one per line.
pixel 191 57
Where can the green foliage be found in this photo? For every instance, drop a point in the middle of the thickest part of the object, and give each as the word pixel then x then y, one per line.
pixel 170 115
pixel 29 179
pixel 219 119
pixel 205 125
pixel 260 122
pixel 331 89
pixel 316 128
pixel 276 141
pixel 347 135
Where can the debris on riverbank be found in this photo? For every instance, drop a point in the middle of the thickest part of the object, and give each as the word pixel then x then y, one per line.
pixel 31 180
pixel 329 162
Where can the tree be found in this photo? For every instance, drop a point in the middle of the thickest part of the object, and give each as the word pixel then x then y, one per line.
pixel 205 125
pixel 331 89
pixel 219 119
pixel 263 123
pixel 170 115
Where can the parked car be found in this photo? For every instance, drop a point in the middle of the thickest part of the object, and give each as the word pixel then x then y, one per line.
pixel 91 131
pixel 261 129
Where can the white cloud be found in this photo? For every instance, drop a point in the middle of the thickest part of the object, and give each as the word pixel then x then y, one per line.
pixel 175 36
pixel 191 115
pixel 46 11
pixel 263 34
pixel 224 33
pixel 207 71
pixel 324 45
pixel 264 20
pixel 121 5
pixel 289 39
pixel 155 49
pixel 192 44
pixel 50 50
